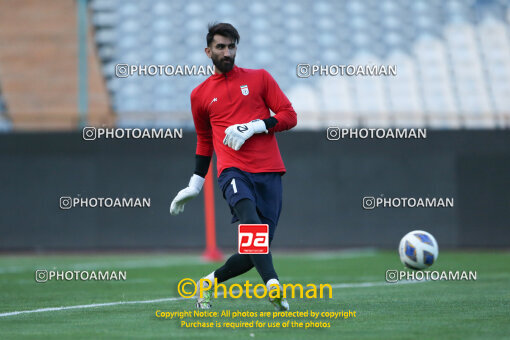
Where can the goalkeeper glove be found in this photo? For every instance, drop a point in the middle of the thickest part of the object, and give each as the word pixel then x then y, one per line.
pixel 191 191
pixel 236 135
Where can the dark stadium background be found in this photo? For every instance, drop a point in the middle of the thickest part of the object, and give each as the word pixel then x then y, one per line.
pixel 323 191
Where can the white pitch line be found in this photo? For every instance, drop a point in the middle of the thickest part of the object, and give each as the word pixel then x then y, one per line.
pixel 94 305
pixel 334 254
pixel 106 304
pixel 372 284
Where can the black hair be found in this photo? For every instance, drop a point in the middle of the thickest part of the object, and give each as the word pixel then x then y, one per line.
pixel 223 29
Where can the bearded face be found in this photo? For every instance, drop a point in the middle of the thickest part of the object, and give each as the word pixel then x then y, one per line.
pixel 222 53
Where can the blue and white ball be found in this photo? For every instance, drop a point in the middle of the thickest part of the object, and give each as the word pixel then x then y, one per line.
pixel 418 250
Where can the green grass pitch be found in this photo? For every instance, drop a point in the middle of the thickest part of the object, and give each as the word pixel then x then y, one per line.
pixel 429 310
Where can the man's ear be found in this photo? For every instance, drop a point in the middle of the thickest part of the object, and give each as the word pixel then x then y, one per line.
pixel 207 51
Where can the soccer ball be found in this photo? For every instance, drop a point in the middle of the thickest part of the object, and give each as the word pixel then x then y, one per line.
pixel 418 250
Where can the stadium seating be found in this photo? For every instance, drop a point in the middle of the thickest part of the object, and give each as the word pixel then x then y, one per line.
pixel 39 68
pixel 5 124
pixel 452 57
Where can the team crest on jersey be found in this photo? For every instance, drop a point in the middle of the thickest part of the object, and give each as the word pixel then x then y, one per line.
pixel 244 90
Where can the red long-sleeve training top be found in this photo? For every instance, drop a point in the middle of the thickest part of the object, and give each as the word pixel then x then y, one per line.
pixel 236 97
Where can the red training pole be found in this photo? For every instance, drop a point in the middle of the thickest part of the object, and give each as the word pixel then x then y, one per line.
pixel 211 253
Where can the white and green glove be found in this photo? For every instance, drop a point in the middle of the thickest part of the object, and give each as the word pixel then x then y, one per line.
pixel 191 191
pixel 236 135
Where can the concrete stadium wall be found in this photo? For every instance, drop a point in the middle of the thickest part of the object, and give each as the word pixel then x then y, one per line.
pixel 323 191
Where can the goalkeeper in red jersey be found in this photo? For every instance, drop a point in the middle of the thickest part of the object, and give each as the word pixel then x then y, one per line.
pixel 231 112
